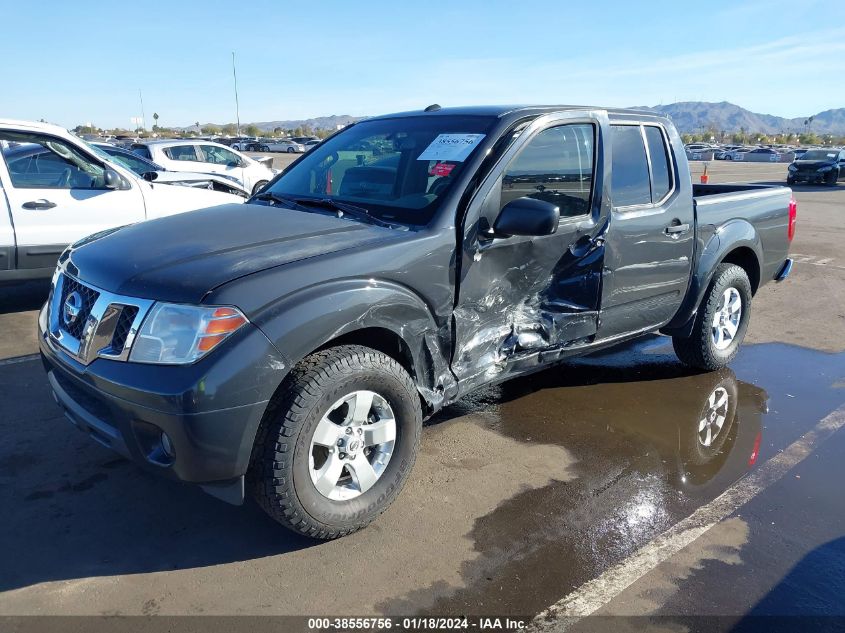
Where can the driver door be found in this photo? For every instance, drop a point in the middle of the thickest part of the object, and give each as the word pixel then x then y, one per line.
pixel 523 299
pixel 58 195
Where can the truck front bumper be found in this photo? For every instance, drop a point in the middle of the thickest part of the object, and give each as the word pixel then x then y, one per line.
pixel 195 423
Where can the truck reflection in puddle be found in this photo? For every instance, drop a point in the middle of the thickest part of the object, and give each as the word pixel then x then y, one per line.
pixel 705 428
pixel 650 443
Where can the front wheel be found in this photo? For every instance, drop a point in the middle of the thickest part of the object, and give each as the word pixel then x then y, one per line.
pixel 259 186
pixel 721 322
pixel 336 447
pixel 831 178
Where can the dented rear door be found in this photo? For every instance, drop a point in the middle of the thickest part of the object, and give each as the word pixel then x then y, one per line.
pixel 522 300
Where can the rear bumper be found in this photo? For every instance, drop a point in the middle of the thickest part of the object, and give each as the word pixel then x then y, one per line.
pixel 200 408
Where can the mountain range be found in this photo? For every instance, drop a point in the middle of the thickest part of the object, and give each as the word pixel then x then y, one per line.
pixel 695 116
pixel 688 117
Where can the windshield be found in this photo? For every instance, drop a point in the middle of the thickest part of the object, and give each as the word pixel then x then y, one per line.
pixel 134 164
pixel 819 154
pixel 397 169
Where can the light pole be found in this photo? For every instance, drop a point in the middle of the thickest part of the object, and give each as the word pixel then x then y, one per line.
pixel 143 116
pixel 237 106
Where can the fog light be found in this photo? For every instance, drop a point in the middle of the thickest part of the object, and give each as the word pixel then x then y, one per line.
pixel 167 445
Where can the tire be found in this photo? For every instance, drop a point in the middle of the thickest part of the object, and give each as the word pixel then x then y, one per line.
pixel 709 432
pixel 702 349
pixel 258 186
pixel 285 456
pixel 291 150
pixel 831 178
pixel 264 148
pixel 790 181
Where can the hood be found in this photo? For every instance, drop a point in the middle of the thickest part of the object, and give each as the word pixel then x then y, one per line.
pixel 182 257
pixel 813 164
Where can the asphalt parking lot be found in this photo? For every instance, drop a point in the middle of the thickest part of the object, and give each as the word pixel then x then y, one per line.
pixel 580 490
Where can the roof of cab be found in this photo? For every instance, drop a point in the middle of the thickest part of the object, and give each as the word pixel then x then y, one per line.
pixel 501 111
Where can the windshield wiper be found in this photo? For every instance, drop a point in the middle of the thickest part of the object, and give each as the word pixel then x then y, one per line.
pixel 344 208
pixel 274 197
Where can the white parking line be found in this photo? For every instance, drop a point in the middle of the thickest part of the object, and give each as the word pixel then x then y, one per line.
pixel 19 359
pixel 596 593
pixel 812 259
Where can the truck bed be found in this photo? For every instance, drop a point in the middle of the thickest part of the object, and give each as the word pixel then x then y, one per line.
pixel 765 207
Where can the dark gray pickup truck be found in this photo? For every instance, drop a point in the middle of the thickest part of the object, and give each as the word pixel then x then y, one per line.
pixel 292 346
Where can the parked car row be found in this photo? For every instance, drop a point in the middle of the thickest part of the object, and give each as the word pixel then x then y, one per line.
pixel 296 144
pixel 738 152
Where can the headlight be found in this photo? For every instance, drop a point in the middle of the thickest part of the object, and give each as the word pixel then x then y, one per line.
pixel 824 169
pixel 793 168
pixel 175 334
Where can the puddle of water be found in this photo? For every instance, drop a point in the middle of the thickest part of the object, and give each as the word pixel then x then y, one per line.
pixel 652 441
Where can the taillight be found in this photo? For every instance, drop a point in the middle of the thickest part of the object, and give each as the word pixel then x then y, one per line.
pixel 793 215
pixel 755 453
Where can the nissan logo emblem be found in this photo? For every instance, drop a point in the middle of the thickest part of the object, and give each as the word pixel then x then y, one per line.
pixel 72 307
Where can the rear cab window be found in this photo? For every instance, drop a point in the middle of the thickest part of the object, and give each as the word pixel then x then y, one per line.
pixel 641 167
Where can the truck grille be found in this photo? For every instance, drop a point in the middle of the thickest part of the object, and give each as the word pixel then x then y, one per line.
pixel 88 297
pixel 124 324
pixel 89 322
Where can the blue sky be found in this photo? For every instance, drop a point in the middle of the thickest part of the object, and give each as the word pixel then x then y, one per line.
pixel 84 61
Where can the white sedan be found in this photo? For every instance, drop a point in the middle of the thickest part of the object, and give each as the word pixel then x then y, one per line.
pixel 280 145
pixel 208 157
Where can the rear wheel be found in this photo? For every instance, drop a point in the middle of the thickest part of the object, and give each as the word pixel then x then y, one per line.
pixel 291 150
pixel 790 181
pixel 264 148
pixel 721 322
pixel 336 447
pixel 259 186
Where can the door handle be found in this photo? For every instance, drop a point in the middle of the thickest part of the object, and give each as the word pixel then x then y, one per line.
pixel 38 205
pixel 676 229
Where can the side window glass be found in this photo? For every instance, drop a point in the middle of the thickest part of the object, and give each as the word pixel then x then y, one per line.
pixel 143 152
pixel 181 152
pixel 629 167
pixel 661 176
pixel 219 155
pixel 45 162
pixel 555 166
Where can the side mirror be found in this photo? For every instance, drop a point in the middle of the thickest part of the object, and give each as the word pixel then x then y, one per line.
pixel 113 180
pixel 527 216
pixel 149 175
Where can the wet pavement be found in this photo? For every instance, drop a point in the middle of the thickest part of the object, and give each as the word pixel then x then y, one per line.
pixel 601 455
pixel 523 492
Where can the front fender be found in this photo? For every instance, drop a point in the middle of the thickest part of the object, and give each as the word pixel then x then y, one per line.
pixel 727 238
pixel 313 317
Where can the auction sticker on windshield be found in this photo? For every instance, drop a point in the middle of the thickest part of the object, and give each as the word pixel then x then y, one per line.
pixel 454 147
